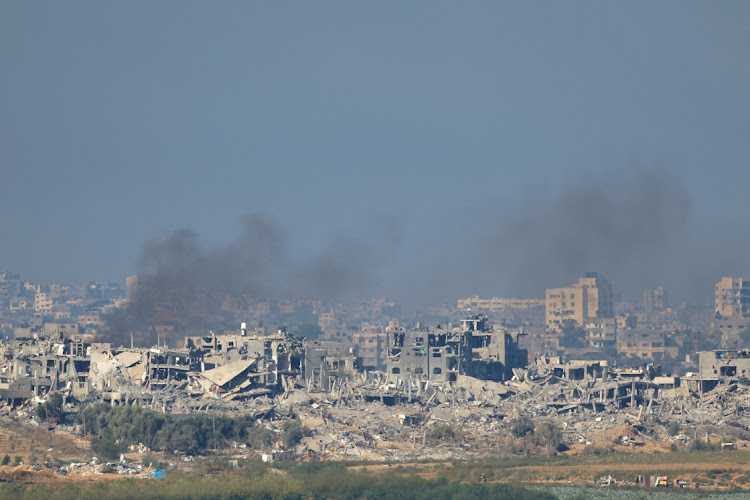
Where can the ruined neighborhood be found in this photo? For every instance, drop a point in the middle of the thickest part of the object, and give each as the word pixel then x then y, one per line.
pixel 452 390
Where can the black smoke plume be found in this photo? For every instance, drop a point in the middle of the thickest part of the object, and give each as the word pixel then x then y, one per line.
pixel 194 288
pixel 638 227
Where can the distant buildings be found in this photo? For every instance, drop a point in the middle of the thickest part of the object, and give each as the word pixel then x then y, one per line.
pixel 655 300
pixel 497 304
pixel 42 303
pixel 645 343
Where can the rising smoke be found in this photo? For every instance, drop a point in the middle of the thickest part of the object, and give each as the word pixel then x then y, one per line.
pixel 183 282
pixel 638 227
pixel 629 226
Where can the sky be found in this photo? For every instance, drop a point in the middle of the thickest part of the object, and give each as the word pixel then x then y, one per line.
pixel 423 150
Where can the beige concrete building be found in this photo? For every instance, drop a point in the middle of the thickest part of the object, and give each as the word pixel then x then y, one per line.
pixel 732 299
pixel 42 302
pixel 646 344
pixel 372 349
pixel 327 320
pixel 590 298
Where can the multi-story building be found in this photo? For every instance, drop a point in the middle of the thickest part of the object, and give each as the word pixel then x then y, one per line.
pixel 441 354
pixel 601 332
pixel 732 299
pixel 372 349
pixel 326 320
pixel 42 302
pixel 646 344
pixel 590 298
pixel 655 300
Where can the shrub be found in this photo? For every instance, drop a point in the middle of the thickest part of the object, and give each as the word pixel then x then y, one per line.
pixel 291 433
pixel 522 426
pixel 441 432
pixel 701 445
pixel 549 433
pixel 108 447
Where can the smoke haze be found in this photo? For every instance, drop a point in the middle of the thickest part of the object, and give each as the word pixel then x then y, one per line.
pixel 637 227
pixel 183 281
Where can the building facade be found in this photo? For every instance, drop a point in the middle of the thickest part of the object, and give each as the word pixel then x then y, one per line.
pixel 732 300
pixel 588 299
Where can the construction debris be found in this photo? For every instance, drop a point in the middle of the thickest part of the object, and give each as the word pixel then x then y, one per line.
pixel 447 392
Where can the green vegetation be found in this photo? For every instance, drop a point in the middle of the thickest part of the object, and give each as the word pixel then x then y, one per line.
pixel 52 408
pixel 116 428
pixel 544 433
pixel 549 434
pixel 302 481
pixel 573 335
pixel 291 433
pixel 674 428
pixel 441 432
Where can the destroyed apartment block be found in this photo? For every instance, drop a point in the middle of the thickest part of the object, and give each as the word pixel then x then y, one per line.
pixel 472 376
pixel 326 364
pixel 442 354
pixel 236 380
pixel 720 366
pixel 231 364
pixel 36 365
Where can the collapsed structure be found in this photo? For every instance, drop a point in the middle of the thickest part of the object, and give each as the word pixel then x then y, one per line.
pixel 474 375
pixel 441 354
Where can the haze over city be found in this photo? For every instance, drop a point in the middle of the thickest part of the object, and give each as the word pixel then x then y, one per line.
pixel 421 150
pixel 385 249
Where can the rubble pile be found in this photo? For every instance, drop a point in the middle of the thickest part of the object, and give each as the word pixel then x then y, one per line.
pixel 445 392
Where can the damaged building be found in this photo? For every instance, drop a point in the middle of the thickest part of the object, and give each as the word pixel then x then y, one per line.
pixel 442 354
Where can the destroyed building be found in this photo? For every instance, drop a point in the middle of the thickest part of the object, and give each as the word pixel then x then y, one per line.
pixel 483 382
pixel 35 365
pixel 728 365
pixel 441 354
pixel 327 363
pixel 236 366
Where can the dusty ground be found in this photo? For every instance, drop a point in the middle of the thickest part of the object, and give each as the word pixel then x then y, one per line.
pixel 30 442
pixel 581 465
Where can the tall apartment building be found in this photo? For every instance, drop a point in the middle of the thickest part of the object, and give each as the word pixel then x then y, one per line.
pixel 590 298
pixel 732 296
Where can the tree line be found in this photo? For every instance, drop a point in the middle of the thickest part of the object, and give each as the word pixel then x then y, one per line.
pixel 115 429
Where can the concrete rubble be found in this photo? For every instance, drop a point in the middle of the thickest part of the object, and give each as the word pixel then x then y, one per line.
pixel 472 378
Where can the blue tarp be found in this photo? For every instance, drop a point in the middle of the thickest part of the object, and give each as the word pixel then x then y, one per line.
pixel 157 474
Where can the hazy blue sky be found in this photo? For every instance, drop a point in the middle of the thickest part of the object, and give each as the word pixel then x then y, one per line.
pixel 422 131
